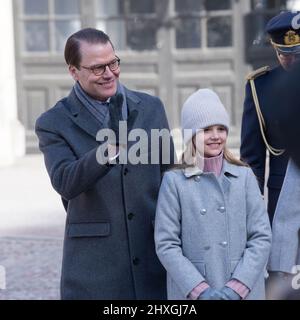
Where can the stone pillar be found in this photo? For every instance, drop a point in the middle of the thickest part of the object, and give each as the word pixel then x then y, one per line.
pixel 12 133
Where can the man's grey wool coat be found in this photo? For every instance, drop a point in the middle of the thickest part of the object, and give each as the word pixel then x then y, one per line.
pixel 109 250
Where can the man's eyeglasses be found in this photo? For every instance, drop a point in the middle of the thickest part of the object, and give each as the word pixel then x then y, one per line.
pixel 99 69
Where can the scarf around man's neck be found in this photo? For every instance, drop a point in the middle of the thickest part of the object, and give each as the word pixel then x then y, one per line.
pixel 97 108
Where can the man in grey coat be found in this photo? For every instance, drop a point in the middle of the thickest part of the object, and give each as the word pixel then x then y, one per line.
pixel 108 246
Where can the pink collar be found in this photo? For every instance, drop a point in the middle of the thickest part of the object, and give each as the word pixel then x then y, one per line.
pixel 213 164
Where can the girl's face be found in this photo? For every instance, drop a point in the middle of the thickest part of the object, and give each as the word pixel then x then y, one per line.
pixel 213 139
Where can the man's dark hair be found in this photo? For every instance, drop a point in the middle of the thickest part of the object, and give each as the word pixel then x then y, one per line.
pixel 89 35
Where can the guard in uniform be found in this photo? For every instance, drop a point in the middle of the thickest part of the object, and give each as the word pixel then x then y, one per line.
pixel 260 123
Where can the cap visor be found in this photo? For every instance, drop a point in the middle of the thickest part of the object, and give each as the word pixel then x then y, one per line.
pixel 289 50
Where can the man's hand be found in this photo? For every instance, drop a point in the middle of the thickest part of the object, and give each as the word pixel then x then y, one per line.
pixel 115 115
pixel 112 151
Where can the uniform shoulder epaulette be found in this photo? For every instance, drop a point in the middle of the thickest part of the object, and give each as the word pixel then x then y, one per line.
pixel 256 73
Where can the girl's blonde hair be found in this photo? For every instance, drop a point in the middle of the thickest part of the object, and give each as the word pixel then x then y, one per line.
pixel 230 157
pixel 188 158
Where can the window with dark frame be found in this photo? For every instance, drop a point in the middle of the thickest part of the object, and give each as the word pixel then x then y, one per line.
pixel 131 24
pixel 203 23
pixel 48 23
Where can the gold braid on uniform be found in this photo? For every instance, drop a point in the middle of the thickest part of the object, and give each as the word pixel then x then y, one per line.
pixel 251 77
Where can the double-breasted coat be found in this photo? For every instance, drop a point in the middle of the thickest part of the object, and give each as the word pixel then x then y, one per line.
pixel 212 229
pixel 285 252
pixel 109 250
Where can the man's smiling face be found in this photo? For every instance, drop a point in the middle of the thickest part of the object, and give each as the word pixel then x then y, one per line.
pixel 99 87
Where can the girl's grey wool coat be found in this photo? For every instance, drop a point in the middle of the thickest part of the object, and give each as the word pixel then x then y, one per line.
pixel 212 228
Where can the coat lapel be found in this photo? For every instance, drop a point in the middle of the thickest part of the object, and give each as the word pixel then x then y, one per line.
pixel 134 103
pixel 228 172
pixel 81 116
pixel 86 121
pixel 225 184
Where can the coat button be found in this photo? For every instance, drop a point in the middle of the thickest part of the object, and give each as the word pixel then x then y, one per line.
pixel 224 244
pixel 207 248
pixel 130 216
pixel 197 178
pixel 203 211
pixel 136 261
pixel 125 171
pixel 222 209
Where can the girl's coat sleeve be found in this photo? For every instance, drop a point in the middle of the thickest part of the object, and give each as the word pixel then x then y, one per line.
pixel 168 237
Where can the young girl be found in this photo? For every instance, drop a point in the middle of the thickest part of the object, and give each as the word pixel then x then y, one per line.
pixel 212 231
